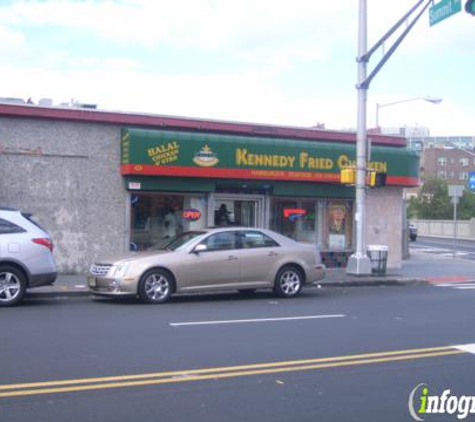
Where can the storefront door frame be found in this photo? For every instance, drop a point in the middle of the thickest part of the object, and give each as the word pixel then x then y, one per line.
pixel 261 201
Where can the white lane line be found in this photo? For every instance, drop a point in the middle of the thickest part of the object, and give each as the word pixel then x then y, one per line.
pixel 457 285
pixel 469 348
pixel 240 321
pixel 464 287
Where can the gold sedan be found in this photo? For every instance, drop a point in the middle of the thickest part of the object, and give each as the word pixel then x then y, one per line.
pixel 217 259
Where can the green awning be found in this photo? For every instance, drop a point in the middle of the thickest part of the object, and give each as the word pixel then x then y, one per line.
pixel 214 156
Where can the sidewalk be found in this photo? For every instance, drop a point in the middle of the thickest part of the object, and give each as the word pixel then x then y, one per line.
pixel 419 268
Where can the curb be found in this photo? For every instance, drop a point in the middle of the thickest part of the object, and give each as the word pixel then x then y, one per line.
pixel 376 282
pixel 66 291
pixel 59 291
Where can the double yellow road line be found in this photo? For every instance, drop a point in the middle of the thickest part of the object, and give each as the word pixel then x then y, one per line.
pixel 89 384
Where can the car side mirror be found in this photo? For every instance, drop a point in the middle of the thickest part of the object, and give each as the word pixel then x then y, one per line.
pixel 200 248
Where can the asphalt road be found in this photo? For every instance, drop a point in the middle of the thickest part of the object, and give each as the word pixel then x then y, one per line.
pixel 463 249
pixel 330 355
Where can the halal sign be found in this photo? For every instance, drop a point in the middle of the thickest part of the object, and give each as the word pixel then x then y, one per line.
pixel 191 214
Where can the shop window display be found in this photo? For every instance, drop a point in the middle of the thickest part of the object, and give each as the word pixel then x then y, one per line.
pixel 295 218
pixel 155 217
pixel 339 225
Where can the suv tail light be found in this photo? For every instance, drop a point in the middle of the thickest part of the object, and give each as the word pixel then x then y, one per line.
pixel 45 242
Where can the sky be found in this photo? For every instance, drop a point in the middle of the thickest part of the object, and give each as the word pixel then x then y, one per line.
pixel 261 61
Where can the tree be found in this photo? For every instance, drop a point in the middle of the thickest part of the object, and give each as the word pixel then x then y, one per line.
pixel 466 207
pixel 433 202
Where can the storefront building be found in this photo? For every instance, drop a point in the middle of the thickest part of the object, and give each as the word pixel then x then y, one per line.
pixel 110 182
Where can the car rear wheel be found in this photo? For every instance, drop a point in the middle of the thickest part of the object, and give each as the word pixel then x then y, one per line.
pixel 288 282
pixel 12 285
pixel 156 286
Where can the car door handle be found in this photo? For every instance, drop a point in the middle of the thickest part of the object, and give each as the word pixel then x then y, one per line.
pixel 232 258
pixel 272 254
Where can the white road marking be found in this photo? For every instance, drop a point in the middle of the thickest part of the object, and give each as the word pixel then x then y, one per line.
pixel 240 321
pixel 464 287
pixel 455 285
pixel 469 348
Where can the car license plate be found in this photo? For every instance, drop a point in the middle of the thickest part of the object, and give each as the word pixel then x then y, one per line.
pixel 92 281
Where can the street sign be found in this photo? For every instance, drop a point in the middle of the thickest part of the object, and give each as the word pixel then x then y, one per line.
pixel 455 190
pixel 471 180
pixel 444 9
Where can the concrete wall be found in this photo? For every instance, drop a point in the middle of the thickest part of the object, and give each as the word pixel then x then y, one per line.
pixel 445 228
pixel 384 221
pixel 67 175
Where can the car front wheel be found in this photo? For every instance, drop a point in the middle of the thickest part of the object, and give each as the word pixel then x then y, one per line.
pixel 155 286
pixel 288 282
pixel 12 285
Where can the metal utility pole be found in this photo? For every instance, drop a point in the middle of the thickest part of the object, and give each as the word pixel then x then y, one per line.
pixel 359 263
pixel 455 192
pixel 454 249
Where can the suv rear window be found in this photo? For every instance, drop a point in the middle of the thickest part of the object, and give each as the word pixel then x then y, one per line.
pixel 32 221
pixel 7 227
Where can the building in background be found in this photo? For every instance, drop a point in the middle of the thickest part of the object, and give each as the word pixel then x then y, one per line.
pixel 450 164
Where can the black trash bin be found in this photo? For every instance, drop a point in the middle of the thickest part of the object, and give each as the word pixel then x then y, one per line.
pixel 378 255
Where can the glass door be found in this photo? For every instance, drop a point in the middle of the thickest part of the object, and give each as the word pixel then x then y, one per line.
pixel 238 210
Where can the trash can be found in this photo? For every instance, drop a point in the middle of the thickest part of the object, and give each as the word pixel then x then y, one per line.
pixel 378 255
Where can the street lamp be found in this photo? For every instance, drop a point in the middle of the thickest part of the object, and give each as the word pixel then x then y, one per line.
pixel 433 100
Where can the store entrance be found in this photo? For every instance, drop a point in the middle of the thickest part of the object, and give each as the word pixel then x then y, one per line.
pixel 238 210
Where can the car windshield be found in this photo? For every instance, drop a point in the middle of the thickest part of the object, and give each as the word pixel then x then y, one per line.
pixel 172 244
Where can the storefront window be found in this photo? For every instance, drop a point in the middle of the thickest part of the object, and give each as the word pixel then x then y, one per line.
pixel 323 222
pixel 162 216
pixel 295 218
pixel 338 225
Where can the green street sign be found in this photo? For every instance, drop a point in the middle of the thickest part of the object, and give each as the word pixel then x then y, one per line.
pixel 444 9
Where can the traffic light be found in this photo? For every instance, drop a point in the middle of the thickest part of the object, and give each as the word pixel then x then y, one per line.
pixel 376 179
pixel 381 179
pixel 348 176
pixel 470 7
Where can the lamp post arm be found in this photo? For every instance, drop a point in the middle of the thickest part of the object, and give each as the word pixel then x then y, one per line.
pixel 400 101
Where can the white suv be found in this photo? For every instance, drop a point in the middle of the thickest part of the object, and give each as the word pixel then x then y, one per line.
pixel 26 258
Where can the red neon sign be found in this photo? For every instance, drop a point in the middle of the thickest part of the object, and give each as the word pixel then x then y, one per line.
pixel 191 214
pixel 288 212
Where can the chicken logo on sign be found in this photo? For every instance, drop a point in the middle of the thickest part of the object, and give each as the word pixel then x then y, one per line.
pixel 206 157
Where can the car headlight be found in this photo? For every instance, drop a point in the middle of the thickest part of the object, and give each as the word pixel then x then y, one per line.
pixel 119 270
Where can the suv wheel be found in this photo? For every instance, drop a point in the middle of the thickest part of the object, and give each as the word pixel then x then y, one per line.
pixel 12 285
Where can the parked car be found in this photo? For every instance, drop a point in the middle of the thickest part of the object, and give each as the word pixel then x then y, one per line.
pixel 413 232
pixel 216 259
pixel 26 258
